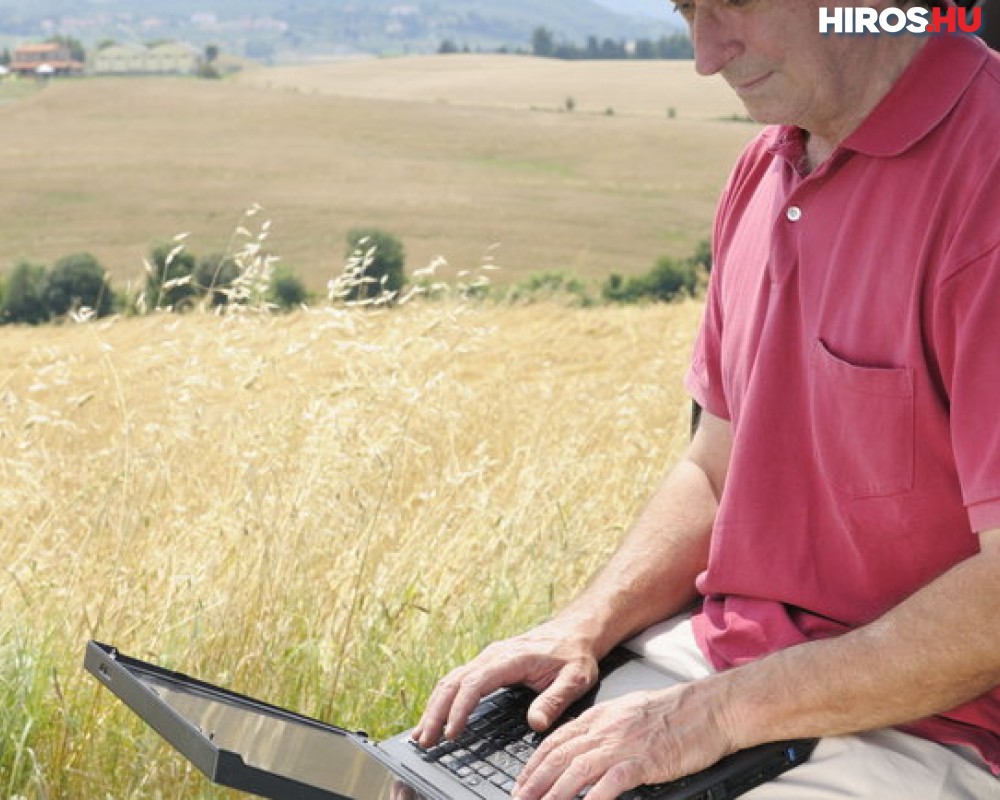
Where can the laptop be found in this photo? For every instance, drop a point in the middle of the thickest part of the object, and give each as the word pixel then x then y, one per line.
pixel 258 748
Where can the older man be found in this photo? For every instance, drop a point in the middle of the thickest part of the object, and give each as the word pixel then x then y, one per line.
pixel 836 518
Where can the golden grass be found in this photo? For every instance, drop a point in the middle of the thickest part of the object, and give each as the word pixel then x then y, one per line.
pixel 113 165
pixel 516 82
pixel 325 510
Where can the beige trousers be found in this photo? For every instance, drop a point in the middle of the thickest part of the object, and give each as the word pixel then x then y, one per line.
pixel 881 765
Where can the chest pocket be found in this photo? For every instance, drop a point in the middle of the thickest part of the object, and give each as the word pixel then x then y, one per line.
pixel 862 425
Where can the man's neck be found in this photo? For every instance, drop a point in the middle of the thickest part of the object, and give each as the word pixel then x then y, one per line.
pixel 876 79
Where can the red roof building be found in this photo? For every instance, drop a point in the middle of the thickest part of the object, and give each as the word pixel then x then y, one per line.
pixel 44 59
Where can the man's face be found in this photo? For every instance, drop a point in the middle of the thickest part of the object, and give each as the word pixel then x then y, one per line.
pixel 782 68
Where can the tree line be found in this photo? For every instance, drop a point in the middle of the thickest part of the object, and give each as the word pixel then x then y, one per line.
pixel 545 45
pixel 374 273
pixel 676 46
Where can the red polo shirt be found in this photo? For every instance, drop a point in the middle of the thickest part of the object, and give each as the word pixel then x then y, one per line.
pixel 852 337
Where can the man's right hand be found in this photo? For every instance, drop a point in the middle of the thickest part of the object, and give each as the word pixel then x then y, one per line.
pixel 547 659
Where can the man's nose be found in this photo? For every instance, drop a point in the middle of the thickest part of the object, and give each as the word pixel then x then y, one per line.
pixel 716 38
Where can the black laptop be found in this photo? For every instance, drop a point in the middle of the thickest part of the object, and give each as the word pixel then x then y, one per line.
pixel 245 744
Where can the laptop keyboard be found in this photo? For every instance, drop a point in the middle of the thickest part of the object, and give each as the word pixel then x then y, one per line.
pixel 498 742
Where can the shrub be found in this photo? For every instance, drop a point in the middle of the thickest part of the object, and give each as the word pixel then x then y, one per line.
pixel 668 279
pixel 287 291
pixel 170 277
pixel 671 278
pixel 703 255
pixel 23 298
pixel 549 285
pixel 378 260
pixel 214 276
pixel 78 281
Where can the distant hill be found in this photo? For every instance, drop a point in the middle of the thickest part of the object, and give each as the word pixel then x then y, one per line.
pixel 283 29
pixel 653 9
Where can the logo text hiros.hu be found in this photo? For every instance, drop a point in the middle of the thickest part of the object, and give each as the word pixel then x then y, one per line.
pixel 899 20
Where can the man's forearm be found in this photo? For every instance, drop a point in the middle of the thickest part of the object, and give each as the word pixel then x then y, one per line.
pixel 651 575
pixel 937 650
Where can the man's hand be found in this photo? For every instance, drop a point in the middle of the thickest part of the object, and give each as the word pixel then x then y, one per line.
pixel 641 738
pixel 548 659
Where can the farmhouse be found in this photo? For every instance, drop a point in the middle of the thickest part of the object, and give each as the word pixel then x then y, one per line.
pixel 169 58
pixel 44 59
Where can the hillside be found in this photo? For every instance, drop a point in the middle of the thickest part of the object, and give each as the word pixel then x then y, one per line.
pixel 270 29
pixel 453 154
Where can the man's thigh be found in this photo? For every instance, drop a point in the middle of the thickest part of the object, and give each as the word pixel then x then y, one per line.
pixel 881 765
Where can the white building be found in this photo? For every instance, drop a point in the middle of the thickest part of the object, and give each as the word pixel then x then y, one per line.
pixel 170 58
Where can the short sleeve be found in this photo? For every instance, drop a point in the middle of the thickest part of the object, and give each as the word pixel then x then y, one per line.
pixel 704 378
pixel 967 333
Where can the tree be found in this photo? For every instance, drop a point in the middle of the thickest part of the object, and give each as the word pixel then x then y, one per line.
pixel 677 46
pixel 542 42
pixel 169 277
pixel 376 261
pixel 668 279
pixel 78 281
pixel 23 295
pixel 703 255
pixel 287 291
pixel 75 46
pixel 611 50
pixel 671 278
pixel 214 276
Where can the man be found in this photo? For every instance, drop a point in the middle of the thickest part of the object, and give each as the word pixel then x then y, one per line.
pixel 837 515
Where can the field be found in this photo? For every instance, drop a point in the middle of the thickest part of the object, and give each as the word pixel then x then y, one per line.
pixel 325 509
pixel 329 509
pixel 456 155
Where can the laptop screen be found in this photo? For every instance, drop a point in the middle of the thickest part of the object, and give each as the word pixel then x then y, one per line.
pixel 294 748
pixel 255 747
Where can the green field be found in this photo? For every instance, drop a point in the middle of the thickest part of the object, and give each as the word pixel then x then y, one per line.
pixel 454 155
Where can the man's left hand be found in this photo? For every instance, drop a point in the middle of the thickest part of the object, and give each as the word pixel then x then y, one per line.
pixel 641 738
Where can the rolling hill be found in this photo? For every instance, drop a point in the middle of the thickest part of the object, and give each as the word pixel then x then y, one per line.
pixel 272 28
pixel 453 154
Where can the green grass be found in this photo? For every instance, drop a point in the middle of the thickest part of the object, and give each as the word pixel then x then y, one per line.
pixel 13 90
pixel 528 166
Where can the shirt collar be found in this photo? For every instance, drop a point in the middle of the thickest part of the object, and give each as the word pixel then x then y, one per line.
pixel 918 102
pixel 924 95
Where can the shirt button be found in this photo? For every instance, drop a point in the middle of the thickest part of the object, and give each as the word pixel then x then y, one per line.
pixel 794 213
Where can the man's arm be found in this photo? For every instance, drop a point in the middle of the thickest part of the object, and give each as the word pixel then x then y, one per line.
pixel 936 650
pixel 649 578
pixel 651 575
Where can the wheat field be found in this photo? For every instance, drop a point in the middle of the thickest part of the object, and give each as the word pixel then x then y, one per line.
pixel 325 510
pixel 465 153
